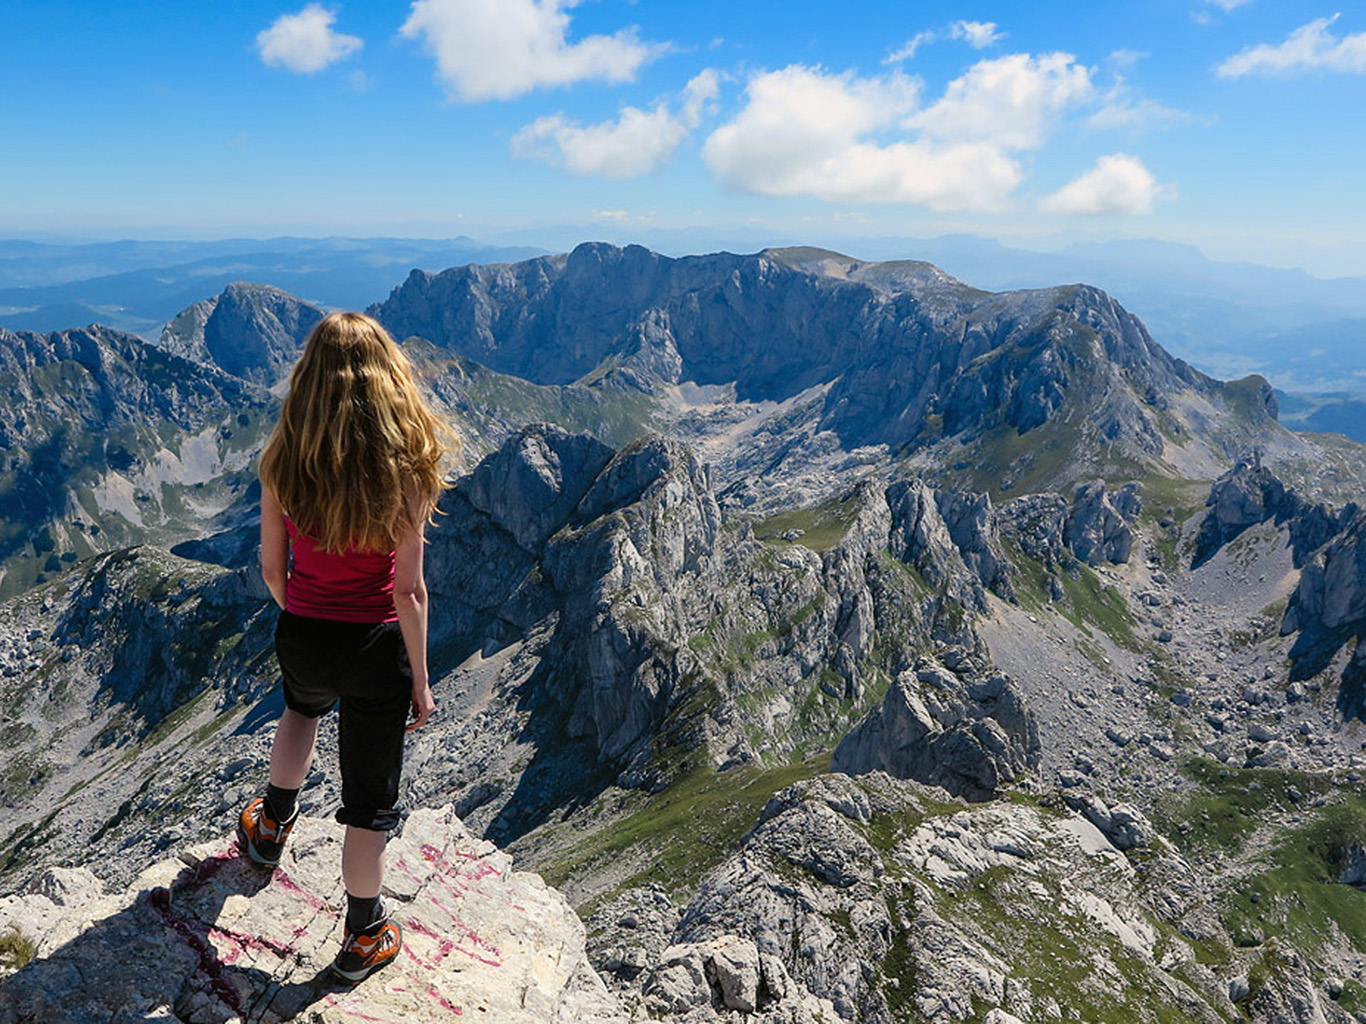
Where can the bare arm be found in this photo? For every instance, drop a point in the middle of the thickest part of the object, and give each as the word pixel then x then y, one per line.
pixel 274 546
pixel 410 601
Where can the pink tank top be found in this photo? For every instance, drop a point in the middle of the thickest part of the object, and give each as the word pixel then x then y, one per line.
pixel 351 587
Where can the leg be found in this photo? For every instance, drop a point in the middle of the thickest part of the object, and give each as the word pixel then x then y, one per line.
pixel 292 754
pixel 363 861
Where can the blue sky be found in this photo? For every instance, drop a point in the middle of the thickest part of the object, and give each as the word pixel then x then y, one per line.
pixel 1236 125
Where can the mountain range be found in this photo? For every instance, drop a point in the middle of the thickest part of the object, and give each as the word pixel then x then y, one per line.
pixel 852 644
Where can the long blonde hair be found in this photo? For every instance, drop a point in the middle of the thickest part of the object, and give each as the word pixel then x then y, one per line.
pixel 355 459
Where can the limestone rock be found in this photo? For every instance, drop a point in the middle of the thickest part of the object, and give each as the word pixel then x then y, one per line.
pixel 532 484
pixel 969 738
pixel 1097 531
pixel 212 937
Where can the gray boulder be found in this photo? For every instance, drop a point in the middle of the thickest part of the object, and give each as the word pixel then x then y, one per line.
pixel 1096 530
pixel 969 738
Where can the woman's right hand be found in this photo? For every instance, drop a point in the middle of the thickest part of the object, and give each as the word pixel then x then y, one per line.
pixel 423 706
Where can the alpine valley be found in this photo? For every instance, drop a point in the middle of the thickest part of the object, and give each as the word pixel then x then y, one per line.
pixel 821 641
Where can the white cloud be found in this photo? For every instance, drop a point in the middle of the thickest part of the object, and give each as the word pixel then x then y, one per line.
pixel 907 50
pixel 636 143
pixel 499 49
pixel 1310 47
pixel 1122 109
pixel 1010 102
pixel 1118 184
pixel 616 215
pixel 1227 5
pixel 305 42
pixel 1126 58
pixel 804 131
pixel 977 34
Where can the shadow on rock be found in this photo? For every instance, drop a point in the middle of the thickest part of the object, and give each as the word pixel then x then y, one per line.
pixel 176 952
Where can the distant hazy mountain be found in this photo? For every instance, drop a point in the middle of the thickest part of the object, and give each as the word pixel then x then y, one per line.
pixel 138 286
pixel 1226 318
pixel 895 356
pixel 1229 319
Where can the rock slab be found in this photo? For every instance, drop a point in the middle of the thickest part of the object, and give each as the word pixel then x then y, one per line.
pixel 209 938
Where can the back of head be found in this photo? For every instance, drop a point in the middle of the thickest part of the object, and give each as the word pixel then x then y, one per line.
pixel 355 457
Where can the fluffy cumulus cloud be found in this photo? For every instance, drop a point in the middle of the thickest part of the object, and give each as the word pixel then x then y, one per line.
pixel 804 131
pixel 977 34
pixel 1311 47
pixel 636 143
pixel 1118 184
pixel 499 49
pixel 1011 102
pixel 305 42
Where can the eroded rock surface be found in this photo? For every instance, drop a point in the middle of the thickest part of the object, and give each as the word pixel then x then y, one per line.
pixel 209 938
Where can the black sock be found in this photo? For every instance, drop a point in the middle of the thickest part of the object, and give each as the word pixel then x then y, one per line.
pixel 363 911
pixel 280 803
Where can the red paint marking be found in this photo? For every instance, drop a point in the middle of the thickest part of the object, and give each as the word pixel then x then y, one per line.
pixel 334 1001
pixel 516 907
pixel 430 965
pixel 485 869
pixel 447 946
pixel 288 884
pixel 445 1003
pixel 432 854
pixel 253 943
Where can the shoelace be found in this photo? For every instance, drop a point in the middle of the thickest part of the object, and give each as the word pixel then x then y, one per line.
pixel 380 941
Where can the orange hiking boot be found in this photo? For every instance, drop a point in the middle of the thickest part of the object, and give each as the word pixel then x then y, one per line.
pixel 263 836
pixel 363 953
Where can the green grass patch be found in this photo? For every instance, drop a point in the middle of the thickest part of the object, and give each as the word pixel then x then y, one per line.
pixel 16 948
pixel 683 832
pixel 1299 897
pixel 1230 803
pixel 1092 604
pixel 822 526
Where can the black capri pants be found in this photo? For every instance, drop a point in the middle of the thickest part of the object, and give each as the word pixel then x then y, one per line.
pixel 365 667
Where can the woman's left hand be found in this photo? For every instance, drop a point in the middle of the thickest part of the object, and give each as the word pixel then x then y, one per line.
pixel 423 706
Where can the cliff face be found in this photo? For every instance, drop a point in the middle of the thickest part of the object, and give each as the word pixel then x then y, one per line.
pixel 894 357
pixel 106 440
pixel 252 331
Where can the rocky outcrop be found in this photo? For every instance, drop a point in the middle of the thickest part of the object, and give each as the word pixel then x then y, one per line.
pixel 651 525
pixel 951 539
pixel 972 526
pixel 879 900
pixel 210 937
pixel 531 486
pixel 1123 824
pixel 970 736
pixel 253 331
pixel 1250 494
pixel 1331 595
pixel 1328 610
pixel 1098 527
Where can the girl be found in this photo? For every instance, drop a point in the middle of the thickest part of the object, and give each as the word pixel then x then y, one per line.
pixel 349 479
